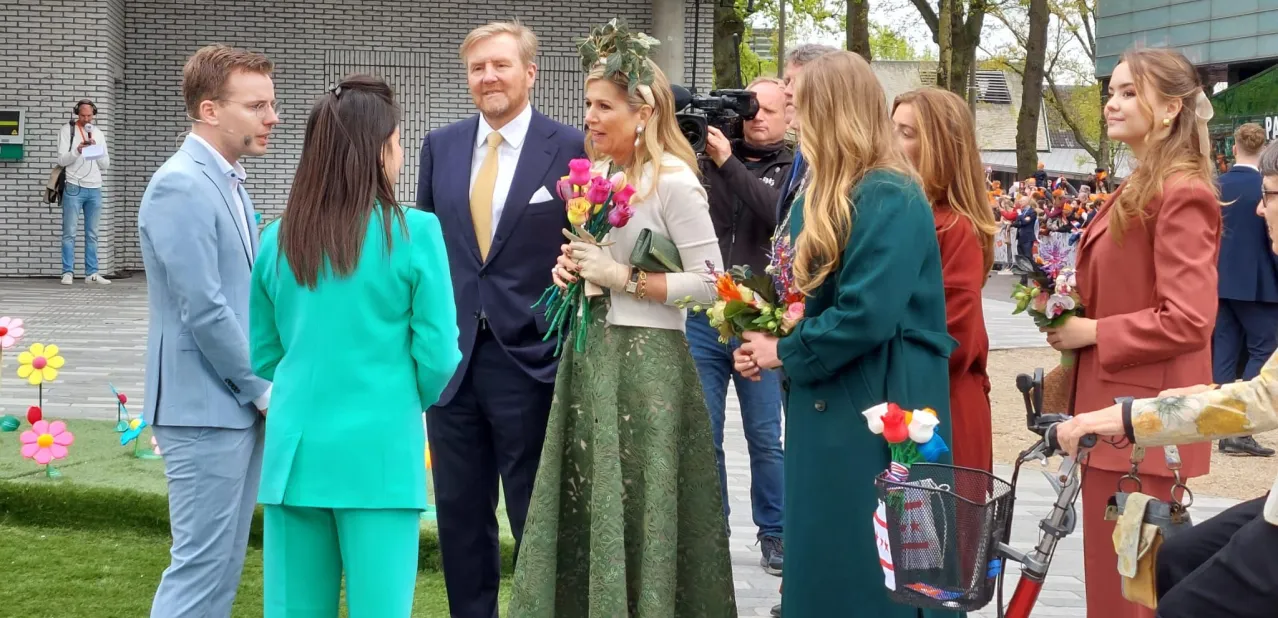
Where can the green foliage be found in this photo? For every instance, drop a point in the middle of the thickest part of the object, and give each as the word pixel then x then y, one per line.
pixel 888 44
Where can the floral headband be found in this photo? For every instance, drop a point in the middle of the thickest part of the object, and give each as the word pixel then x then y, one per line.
pixel 620 51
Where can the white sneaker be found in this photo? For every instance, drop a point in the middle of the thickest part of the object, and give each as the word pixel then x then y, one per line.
pixel 98 279
pixel 66 278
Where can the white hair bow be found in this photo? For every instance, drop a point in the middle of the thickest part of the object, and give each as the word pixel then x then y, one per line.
pixel 1204 112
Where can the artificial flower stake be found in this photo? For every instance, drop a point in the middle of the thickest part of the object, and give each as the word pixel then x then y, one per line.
pixel 40 364
pixel 11 332
pixel 133 428
pixel 595 206
pixel 46 442
pixel 121 413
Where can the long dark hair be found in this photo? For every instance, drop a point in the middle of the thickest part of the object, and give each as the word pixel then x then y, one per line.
pixel 340 180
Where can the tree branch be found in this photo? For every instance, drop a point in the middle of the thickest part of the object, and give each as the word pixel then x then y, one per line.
pixel 929 17
pixel 1057 104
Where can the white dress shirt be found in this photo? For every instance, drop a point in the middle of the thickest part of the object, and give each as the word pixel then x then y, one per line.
pixel 512 143
pixel 235 175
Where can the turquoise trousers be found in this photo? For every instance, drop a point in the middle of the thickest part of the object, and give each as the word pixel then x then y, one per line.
pixel 307 550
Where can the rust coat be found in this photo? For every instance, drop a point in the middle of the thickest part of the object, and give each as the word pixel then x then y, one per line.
pixel 963 273
pixel 1155 298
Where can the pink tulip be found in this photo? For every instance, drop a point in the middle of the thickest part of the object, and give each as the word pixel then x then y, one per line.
pixel 579 171
pixel 564 189
pixel 599 190
pixel 622 197
pixel 619 216
pixel 618 181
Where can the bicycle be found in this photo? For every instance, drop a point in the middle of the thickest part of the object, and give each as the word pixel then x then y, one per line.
pixel 927 569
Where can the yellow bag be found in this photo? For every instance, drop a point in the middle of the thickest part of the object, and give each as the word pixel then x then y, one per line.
pixel 1142 524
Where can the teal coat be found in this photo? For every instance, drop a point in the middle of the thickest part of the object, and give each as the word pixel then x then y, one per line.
pixel 354 363
pixel 874 331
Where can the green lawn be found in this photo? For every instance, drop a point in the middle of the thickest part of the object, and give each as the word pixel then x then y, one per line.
pixel 93 543
pixel 59 573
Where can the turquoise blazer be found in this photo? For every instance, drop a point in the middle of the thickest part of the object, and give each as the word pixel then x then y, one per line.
pixel 355 363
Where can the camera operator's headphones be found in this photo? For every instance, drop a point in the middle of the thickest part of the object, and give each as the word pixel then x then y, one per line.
pixel 82 102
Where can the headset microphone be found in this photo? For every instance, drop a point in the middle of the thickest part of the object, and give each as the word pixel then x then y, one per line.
pixel 247 139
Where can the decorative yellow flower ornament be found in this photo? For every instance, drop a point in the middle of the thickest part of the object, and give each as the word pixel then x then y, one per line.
pixel 39 364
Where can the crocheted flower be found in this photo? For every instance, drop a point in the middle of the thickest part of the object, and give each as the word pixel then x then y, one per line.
pixel 45 441
pixel 39 364
pixel 895 426
pixel 579 172
pixel 10 331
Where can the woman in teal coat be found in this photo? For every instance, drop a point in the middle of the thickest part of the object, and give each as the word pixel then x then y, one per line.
pixel 867 260
pixel 352 319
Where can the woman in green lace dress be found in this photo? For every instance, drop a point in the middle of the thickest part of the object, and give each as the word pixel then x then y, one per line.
pixel 626 517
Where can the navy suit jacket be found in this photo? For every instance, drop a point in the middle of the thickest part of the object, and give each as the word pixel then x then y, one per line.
pixel 526 244
pixel 1247 267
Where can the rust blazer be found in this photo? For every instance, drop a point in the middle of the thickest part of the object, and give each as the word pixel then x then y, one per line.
pixel 963 272
pixel 1154 297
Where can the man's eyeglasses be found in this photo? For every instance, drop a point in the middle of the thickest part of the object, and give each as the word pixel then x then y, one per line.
pixel 261 109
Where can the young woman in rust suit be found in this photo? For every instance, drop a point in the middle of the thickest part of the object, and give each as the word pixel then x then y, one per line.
pixel 935 129
pixel 1147 277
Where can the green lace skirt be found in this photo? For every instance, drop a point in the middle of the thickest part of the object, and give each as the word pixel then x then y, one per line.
pixel 626 519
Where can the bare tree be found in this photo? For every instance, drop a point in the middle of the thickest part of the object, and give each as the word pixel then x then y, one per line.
pixel 1032 89
pixel 956 28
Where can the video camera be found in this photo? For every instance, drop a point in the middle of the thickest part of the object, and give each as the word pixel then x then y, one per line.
pixel 726 110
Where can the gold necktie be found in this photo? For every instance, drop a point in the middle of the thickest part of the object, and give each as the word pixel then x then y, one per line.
pixel 481 196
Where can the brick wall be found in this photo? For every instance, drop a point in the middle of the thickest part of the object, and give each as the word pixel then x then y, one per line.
pixel 129 59
pixel 53 55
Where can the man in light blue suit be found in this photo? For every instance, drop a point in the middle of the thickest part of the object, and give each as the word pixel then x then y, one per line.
pixel 199 239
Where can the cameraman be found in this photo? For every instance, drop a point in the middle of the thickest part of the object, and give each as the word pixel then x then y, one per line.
pixel 743 180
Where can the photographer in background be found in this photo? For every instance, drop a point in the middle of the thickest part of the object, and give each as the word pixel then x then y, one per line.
pixel 82 192
pixel 743 179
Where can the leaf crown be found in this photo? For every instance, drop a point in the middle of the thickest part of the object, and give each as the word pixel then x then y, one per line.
pixel 620 51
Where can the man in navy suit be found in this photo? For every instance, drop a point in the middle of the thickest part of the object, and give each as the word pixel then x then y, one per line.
pixel 1248 276
pixel 491 181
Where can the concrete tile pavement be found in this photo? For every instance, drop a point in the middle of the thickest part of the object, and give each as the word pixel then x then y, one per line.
pixel 102 332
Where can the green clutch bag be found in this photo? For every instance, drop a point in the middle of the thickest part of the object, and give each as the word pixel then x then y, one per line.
pixel 655 253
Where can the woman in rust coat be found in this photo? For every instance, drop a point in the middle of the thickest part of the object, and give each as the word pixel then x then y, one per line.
pixel 1147 278
pixel 934 128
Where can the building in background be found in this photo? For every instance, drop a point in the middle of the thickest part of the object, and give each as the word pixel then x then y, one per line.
pixel 127 56
pixel 1234 44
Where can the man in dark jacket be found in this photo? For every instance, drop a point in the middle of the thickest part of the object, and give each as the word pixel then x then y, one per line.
pixel 743 179
pixel 1247 317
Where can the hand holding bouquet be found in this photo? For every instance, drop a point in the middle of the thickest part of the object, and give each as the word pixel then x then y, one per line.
pixel 1051 295
pixel 595 205
pixel 746 302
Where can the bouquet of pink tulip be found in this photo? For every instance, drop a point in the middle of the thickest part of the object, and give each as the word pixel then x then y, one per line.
pixel 596 204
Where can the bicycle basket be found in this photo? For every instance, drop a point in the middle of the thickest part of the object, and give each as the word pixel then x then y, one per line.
pixel 937 532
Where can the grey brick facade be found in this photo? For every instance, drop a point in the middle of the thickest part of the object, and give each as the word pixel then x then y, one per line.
pixel 127 56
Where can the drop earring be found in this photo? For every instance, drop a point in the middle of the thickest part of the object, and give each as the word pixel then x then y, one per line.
pixel 638 135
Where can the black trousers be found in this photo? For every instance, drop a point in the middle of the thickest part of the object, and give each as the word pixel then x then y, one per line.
pixel 494 427
pixel 1226 566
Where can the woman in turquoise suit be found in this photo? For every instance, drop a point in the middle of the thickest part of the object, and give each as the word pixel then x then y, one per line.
pixel 352 319
pixel 867 260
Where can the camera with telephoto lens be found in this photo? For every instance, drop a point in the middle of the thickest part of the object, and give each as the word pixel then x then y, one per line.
pixel 725 110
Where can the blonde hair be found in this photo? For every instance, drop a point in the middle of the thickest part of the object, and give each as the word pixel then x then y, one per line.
pixel 660 135
pixel 1179 152
pixel 1250 139
pixel 524 37
pixel 950 160
pixel 847 133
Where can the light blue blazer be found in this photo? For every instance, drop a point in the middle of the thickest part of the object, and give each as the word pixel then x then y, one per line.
pixel 355 362
pixel 198 269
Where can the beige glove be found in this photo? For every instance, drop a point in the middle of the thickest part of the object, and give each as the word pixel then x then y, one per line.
pixel 598 267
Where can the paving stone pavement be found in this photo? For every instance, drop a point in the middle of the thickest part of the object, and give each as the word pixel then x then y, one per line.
pixel 102 334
